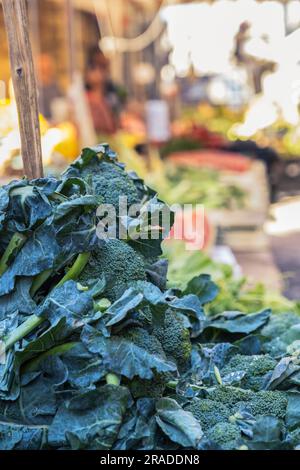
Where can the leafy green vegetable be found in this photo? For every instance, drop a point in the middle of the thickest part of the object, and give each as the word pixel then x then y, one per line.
pixel 234 293
pixel 15 244
pixel 20 437
pixel 226 435
pixel 180 184
pixel 100 354
pixel 93 419
pixel 136 354
pixel 208 412
pixel 237 322
pixel 179 425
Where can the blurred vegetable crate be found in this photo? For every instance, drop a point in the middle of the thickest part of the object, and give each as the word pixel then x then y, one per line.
pixel 254 181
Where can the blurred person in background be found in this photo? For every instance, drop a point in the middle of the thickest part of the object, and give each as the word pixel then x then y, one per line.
pixel 115 93
pixel 101 110
pixel 49 90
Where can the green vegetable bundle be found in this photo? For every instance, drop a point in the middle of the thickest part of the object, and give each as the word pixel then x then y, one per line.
pixel 234 291
pixel 191 185
pixel 99 354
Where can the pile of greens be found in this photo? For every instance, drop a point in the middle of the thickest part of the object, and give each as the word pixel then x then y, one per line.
pixel 189 185
pixel 234 291
pixel 99 354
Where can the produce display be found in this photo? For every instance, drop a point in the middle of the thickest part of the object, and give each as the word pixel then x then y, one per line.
pixel 217 126
pixel 187 184
pixel 59 142
pixel 234 291
pixel 207 122
pixel 101 354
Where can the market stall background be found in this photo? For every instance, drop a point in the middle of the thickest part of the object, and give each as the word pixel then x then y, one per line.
pixel 212 111
pixel 98 330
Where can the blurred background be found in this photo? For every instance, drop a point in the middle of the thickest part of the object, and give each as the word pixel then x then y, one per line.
pixel 201 99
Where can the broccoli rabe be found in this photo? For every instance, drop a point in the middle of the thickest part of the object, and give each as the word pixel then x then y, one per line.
pixel 143 339
pixel 271 403
pixel 256 367
pixel 175 338
pixel 144 316
pixel 279 324
pixel 155 387
pixel 110 181
pixel 208 412
pixel 226 435
pixel 281 331
pixel 230 395
pixel 118 264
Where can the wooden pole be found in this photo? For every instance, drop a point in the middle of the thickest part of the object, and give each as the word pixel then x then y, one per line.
pixel 70 14
pixel 23 76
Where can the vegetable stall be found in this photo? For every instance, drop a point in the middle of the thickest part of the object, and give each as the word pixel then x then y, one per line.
pixel 99 352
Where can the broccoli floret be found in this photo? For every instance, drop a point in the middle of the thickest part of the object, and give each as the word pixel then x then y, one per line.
pixel 118 263
pixel 230 395
pixel 175 338
pixel 155 387
pixel 111 181
pixel 265 403
pixel 256 368
pixel 269 403
pixel 143 339
pixel 208 412
pixel 226 435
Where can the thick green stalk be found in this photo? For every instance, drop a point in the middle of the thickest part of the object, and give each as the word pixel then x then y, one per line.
pixel 59 349
pixel 173 384
pixel 72 274
pixel 23 330
pixel 39 281
pixel 16 242
pixel 112 379
pixel 34 321
pixel 76 269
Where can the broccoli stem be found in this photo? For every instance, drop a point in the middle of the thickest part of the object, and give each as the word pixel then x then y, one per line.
pixel 39 281
pixel 102 305
pixel 34 321
pixel 73 273
pixel 59 349
pixel 16 242
pixel 173 384
pixel 112 379
pixel 23 330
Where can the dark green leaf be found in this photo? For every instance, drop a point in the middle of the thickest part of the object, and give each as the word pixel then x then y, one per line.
pixel 21 437
pixel 91 420
pixel 68 302
pixel 293 410
pixel 17 300
pixel 123 357
pixel 202 286
pixel 237 322
pixel 119 310
pixel 179 425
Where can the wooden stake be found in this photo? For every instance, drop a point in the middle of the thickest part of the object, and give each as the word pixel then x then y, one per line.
pixel 23 76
